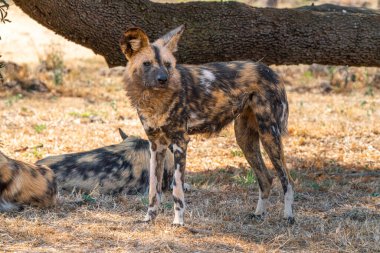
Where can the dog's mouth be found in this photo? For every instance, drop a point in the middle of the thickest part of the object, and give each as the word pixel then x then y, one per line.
pixel 156 85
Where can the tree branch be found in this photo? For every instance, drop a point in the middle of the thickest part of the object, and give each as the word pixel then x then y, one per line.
pixel 217 31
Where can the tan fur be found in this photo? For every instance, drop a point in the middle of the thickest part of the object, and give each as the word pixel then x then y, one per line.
pixel 22 183
pixel 174 101
pixel 126 172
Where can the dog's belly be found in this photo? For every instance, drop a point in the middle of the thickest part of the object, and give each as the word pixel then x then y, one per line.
pixel 197 124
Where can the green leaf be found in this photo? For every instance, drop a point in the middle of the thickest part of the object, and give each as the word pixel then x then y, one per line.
pixel 88 198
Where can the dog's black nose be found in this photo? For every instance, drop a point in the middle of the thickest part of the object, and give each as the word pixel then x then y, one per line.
pixel 162 78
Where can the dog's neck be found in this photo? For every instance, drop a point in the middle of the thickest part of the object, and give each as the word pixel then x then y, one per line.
pixel 153 104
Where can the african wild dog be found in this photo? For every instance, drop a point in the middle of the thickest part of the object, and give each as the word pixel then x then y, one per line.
pixel 174 101
pixel 22 183
pixel 120 168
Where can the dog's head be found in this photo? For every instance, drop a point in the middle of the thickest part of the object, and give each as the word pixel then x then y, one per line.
pixel 151 63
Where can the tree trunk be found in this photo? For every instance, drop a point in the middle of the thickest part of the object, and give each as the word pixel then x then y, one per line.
pixel 220 31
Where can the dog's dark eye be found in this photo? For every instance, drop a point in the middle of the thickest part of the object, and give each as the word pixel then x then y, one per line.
pixel 168 65
pixel 147 63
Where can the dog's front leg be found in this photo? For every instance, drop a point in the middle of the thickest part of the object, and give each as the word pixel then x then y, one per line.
pixel 157 160
pixel 179 148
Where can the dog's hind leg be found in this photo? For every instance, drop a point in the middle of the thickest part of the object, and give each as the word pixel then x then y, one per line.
pixel 270 137
pixel 247 137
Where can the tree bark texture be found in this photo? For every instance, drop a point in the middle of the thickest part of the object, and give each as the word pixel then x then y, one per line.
pixel 220 31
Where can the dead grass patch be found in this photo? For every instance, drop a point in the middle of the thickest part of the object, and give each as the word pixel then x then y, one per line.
pixel 332 139
pixel 332 150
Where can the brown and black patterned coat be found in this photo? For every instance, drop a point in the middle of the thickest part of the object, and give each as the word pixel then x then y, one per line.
pixel 119 168
pixel 174 101
pixel 25 184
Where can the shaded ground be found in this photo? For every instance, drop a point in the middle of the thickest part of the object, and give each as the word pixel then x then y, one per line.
pixel 333 152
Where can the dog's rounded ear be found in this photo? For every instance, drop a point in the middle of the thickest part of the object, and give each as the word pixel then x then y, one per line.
pixel 170 40
pixel 122 134
pixel 132 41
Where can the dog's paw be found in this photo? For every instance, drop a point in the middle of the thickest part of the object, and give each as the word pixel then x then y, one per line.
pixel 257 217
pixel 178 224
pixel 178 219
pixel 186 187
pixel 150 216
pixel 290 220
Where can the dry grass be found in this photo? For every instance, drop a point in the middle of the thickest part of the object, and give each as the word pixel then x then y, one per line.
pixel 331 137
pixel 333 152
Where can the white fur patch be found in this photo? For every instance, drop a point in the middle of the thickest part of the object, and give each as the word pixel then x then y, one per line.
pixel 176 148
pixel 194 120
pixel 275 130
pixel 6 206
pixel 135 44
pixel 208 75
pixel 152 183
pixel 261 205
pixel 288 199
pixel 178 193
pixel 178 217
pixel 193 115
pixel 187 187
pixel 283 111
pixel 147 216
pixel 177 189
pixel 206 78
pixel 152 167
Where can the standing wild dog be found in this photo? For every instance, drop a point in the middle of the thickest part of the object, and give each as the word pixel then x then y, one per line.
pixel 174 101
pixel 22 183
pixel 123 167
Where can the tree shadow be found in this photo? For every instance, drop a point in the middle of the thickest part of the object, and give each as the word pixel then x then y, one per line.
pixel 335 198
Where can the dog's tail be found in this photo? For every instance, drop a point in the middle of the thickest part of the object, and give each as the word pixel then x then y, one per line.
pixel 273 96
pixel 283 116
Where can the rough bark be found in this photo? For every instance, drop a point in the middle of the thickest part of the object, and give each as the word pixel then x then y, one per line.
pixel 220 31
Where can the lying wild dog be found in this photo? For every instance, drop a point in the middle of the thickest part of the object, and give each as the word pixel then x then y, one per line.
pixel 120 168
pixel 174 101
pixel 25 184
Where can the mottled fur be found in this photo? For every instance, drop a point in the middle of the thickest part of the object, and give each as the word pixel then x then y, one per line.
pixel 25 184
pixel 120 168
pixel 174 101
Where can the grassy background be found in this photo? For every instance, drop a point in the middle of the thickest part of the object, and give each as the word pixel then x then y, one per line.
pixel 332 150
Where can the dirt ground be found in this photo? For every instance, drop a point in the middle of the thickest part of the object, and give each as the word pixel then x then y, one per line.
pixel 332 150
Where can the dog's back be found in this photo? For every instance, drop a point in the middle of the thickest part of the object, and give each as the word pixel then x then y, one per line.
pixel 123 167
pixel 22 183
